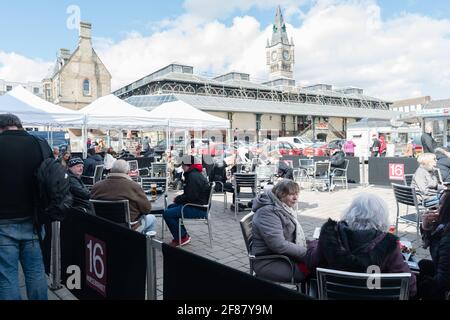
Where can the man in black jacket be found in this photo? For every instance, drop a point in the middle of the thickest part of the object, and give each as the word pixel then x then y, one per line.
pixel 196 191
pixel 428 143
pixel 20 158
pixel 80 193
pixel 91 162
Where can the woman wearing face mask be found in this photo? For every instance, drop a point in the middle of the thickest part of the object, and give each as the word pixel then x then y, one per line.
pixel 426 182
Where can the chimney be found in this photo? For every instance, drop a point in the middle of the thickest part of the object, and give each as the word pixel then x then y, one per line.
pixel 64 54
pixel 85 30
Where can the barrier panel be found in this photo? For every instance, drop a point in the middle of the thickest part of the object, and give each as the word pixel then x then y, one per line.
pixel 353 172
pixel 188 276
pixel 384 171
pixel 101 260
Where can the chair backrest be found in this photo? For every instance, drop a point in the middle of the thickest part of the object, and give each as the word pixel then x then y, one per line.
pixel 408 179
pixel 247 230
pixel 347 162
pixel 117 211
pixel 161 184
pixel 245 180
pixel 342 285
pixel 405 195
pixel 322 168
pixel 439 176
pixel 159 170
pixel 265 172
pixel 134 168
pixel 306 162
pixel 98 173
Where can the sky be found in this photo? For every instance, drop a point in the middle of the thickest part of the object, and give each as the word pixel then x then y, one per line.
pixel 392 49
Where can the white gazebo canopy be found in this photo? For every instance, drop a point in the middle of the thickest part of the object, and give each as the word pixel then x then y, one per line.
pixel 111 112
pixel 182 115
pixel 56 115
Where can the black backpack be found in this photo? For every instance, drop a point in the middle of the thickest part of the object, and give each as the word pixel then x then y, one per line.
pixel 54 197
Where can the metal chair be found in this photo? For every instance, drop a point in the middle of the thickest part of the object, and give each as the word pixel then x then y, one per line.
pixel 89 181
pixel 207 206
pixel 161 187
pixel 159 170
pixel 339 174
pixel 221 192
pixel 321 174
pixel 247 233
pixel 115 211
pixel 408 196
pixel 244 180
pixel 342 285
pixel 408 179
pixel 264 174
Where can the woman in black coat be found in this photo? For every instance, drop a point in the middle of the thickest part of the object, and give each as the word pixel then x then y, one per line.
pixel 434 278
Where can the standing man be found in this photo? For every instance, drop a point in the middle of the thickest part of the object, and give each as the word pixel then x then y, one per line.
pixel 375 149
pixel 145 144
pixel 428 142
pixel 56 153
pixel 383 146
pixel 20 158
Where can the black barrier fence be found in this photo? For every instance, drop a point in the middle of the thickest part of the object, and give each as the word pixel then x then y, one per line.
pixel 188 276
pixel 353 172
pixel 111 259
pixel 384 171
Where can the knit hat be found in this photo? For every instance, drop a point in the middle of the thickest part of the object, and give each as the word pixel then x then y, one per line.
pixel 75 161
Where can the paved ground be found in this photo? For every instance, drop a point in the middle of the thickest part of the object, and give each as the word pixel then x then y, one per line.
pixel 228 245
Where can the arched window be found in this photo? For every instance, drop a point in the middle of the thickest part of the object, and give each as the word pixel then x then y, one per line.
pixel 86 88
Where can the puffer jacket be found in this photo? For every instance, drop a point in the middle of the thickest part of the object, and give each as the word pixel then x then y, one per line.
pixel 342 248
pixel 425 182
pixel 443 164
pixel 196 189
pixel 274 232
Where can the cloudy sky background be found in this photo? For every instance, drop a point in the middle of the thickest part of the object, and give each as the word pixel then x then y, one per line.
pixel 392 50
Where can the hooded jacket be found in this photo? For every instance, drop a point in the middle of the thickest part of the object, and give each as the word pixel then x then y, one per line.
pixel 342 248
pixel 196 189
pixel 443 164
pixel 274 232
pixel 428 143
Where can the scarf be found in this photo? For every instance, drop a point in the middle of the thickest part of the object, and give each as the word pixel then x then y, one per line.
pixel 300 238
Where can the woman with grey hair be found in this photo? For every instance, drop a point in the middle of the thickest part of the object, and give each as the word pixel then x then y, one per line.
pixel 277 231
pixel 360 241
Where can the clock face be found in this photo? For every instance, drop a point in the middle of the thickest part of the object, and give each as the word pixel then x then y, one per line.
pixel 286 55
pixel 274 56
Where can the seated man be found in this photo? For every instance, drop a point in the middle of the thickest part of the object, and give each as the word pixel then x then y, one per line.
pixel 80 194
pixel 119 186
pixel 91 162
pixel 196 191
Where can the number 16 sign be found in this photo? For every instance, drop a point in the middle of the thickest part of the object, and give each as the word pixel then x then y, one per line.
pixel 96 264
pixel 396 171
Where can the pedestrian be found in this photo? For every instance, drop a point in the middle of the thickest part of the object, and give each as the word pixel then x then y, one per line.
pixel 428 142
pixel 409 152
pixel 375 149
pixel 349 148
pixel 383 146
pixel 20 159
pixel 145 144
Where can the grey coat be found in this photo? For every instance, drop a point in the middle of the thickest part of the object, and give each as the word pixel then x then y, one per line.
pixel 425 182
pixel 274 232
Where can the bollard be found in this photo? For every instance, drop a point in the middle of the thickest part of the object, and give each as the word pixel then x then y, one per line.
pixel 55 260
pixel 363 174
pixel 151 267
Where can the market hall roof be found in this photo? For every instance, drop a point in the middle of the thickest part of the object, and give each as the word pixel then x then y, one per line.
pixel 179 78
pixel 222 104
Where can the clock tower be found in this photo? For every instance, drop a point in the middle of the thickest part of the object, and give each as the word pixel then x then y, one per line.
pixel 280 52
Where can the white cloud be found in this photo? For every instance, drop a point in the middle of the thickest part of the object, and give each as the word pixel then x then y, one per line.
pixel 344 43
pixel 17 68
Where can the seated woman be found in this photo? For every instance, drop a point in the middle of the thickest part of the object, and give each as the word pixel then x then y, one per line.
pixel 360 240
pixel 434 278
pixel 425 181
pixel 277 231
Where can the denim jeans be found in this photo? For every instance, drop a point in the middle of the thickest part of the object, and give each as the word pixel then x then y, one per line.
pixel 147 224
pixel 19 243
pixel 173 214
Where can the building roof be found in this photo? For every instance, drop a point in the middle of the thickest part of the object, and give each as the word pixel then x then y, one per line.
pixel 438 104
pixel 223 104
pixel 412 101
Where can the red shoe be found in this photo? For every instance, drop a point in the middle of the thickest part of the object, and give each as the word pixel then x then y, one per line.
pixel 185 240
pixel 174 243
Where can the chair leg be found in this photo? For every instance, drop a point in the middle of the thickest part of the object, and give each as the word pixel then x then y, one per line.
pixel 179 231
pixel 210 233
pixel 225 200
pixel 162 227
